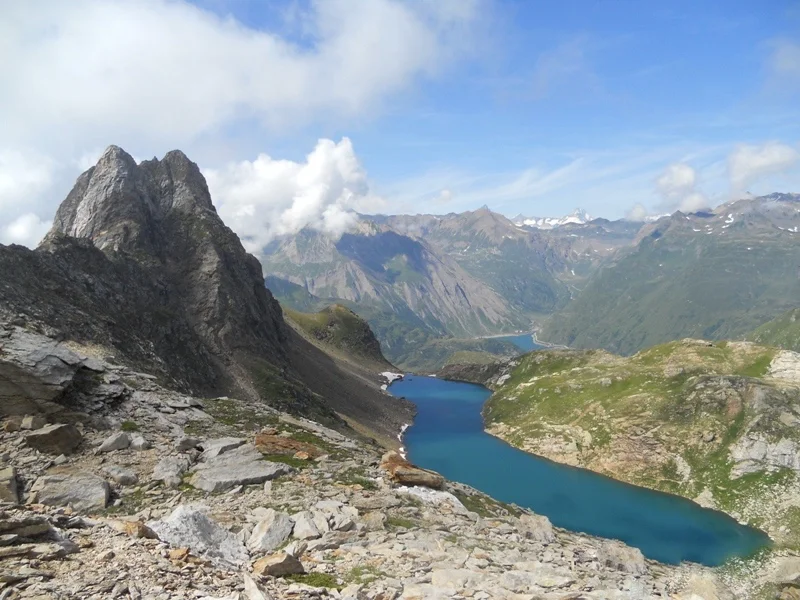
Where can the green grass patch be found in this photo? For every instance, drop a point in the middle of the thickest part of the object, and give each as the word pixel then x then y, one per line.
pixel 356 476
pixel 325 580
pixel 129 426
pixel 400 522
pixel 364 574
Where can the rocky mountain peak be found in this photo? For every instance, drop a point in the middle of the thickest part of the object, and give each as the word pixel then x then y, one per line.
pixel 121 206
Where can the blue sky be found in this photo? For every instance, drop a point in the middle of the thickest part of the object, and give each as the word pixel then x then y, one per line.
pixel 526 106
pixel 624 87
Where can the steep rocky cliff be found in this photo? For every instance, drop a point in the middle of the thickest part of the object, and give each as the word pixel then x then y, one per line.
pixel 139 263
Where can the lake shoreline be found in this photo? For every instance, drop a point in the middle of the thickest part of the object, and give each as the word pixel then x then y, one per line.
pixel 722 526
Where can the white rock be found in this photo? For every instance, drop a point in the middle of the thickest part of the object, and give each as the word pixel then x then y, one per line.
pixel 304 527
pixel 139 443
pixel 253 591
pixel 116 441
pixel 270 532
pixel 190 527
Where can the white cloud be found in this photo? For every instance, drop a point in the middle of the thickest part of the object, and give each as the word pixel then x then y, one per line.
pixel 637 213
pixel 166 70
pixel 443 197
pixel 677 188
pixel 747 164
pixel 22 177
pixel 267 197
pixel 27 230
pixel 678 179
pixel 153 75
pixel 785 58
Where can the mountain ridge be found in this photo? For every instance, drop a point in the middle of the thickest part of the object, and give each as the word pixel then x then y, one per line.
pixel 139 263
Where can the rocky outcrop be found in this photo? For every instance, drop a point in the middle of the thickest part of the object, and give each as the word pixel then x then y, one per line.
pixel 139 265
pixel 403 472
pixel 756 452
pixel 35 370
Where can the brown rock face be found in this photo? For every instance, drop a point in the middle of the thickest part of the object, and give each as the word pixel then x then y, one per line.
pixel 405 473
pixel 278 565
pixel 276 444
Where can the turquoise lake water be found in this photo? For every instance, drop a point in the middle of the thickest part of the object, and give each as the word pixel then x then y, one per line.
pixel 523 342
pixel 448 437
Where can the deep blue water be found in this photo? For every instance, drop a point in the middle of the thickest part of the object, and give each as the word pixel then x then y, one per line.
pixel 524 342
pixel 448 437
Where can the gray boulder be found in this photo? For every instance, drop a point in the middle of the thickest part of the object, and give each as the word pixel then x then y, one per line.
pixel 121 475
pixel 170 470
pixel 537 527
pixel 55 439
pixel 190 527
pixel 116 441
pixel 84 493
pixel 621 557
pixel 270 532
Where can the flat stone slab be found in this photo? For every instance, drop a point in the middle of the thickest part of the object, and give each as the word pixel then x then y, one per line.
pixel 240 466
pixel 216 447
pixel 84 492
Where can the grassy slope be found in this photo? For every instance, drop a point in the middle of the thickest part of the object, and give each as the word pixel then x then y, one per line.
pixel 783 332
pixel 682 285
pixel 664 418
pixel 339 328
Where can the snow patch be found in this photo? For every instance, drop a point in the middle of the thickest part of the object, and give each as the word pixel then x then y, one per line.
pixel 391 377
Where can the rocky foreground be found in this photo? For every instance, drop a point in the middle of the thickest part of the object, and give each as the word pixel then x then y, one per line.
pixel 114 487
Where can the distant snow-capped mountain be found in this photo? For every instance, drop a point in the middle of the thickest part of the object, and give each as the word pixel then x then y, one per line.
pixel 578 216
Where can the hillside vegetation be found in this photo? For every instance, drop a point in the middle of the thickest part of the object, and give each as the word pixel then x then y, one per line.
pixel 339 328
pixel 783 332
pixel 715 422
pixel 711 276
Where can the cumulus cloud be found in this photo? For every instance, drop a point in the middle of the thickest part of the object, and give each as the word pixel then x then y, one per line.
pixel 263 198
pixel 167 70
pixel 22 177
pixel 443 197
pixel 154 75
pixel 637 213
pixel 27 230
pixel 747 163
pixel 677 188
